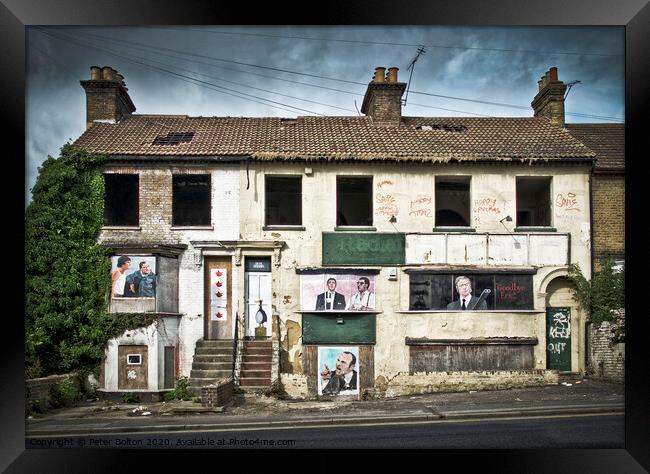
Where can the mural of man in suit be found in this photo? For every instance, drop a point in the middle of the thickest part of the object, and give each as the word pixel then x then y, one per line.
pixel 344 377
pixel 466 300
pixel 330 300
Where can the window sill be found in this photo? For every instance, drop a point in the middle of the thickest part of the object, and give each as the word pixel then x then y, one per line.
pixel 192 227
pixel 121 227
pixel 283 227
pixel 535 229
pixel 453 229
pixel 355 228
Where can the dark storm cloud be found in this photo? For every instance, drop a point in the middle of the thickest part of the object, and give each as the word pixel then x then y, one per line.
pixel 56 102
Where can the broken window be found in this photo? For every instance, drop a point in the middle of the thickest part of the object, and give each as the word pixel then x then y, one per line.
pixel 173 138
pixel 353 201
pixel 191 200
pixel 533 202
pixel 452 201
pixel 283 200
pixel 121 199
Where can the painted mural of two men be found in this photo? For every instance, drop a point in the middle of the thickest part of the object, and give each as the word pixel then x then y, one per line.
pixel 140 283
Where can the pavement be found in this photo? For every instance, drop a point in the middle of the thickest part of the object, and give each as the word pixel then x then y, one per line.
pixel 257 411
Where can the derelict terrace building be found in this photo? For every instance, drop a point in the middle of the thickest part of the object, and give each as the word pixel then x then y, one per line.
pixel 245 221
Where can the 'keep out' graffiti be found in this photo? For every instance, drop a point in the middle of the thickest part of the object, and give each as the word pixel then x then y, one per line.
pixel 561 329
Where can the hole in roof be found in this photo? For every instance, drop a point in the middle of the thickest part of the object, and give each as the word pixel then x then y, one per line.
pixel 445 127
pixel 288 121
pixel 173 138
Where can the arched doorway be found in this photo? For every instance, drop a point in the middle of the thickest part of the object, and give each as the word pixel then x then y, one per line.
pixel 564 327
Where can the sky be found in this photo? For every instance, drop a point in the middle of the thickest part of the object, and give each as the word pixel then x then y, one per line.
pixel 289 71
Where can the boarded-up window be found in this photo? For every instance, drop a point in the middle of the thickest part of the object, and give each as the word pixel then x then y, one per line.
pixel 533 202
pixel 191 200
pixel 452 201
pixel 436 291
pixel 121 201
pixel 353 201
pixel 283 200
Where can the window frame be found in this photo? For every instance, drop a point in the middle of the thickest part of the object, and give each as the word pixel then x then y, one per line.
pixel 447 227
pixel 267 225
pixel 544 227
pixel 136 224
pixel 210 204
pixel 370 226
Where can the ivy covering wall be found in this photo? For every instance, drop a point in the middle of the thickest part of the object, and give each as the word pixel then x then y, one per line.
pixel 67 275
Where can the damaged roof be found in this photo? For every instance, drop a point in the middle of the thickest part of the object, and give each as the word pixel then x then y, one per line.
pixel 425 139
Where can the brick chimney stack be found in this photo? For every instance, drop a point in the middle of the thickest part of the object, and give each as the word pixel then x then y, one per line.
pixel 107 98
pixel 383 99
pixel 549 101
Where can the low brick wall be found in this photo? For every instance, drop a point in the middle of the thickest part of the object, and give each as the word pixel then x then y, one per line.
pixel 217 395
pixel 432 382
pixel 295 385
pixel 39 389
pixel 606 358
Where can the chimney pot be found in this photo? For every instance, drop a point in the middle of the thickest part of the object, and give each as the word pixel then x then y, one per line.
pixel 553 74
pixel 392 75
pixel 107 73
pixel 95 73
pixel 379 75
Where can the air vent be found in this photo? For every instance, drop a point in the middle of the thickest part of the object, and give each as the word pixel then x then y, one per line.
pixel 174 138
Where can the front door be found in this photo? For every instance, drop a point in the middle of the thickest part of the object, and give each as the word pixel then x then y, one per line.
pixel 219 313
pixel 558 339
pixel 258 294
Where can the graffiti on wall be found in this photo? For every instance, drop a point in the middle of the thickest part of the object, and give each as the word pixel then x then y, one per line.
pixel 486 205
pixel 350 292
pixel 338 370
pixel 420 206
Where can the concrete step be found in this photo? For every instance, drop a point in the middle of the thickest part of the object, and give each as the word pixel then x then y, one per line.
pixel 213 351
pixel 255 366
pixel 204 374
pixel 255 381
pixel 246 374
pixel 223 359
pixel 211 365
pixel 227 343
pixel 258 344
pixel 258 351
pixel 257 357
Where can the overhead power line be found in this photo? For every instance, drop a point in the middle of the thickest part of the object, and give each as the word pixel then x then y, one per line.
pixel 184 53
pixel 442 96
pixel 385 43
pixel 190 79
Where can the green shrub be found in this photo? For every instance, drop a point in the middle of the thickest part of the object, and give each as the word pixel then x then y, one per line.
pixel 130 397
pixel 34 407
pixel 63 393
pixel 180 390
pixel 601 296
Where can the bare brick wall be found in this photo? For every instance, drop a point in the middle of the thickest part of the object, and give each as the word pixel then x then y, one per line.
pixel 606 359
pixel 39 389
pixel 216 396
pixel 608 192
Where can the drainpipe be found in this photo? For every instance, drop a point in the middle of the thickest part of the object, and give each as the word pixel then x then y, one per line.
pixel 591 251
